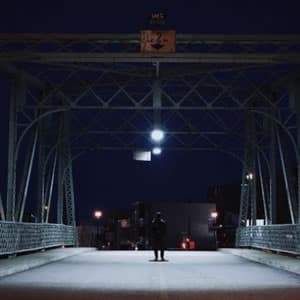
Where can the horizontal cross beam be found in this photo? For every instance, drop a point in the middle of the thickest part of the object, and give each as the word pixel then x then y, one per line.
pixel 222 58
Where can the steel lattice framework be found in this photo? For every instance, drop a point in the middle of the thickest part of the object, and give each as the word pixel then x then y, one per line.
pixel 73 93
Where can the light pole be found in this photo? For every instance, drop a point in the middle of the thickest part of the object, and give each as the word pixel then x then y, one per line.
pixel 213 217
pixel 97 216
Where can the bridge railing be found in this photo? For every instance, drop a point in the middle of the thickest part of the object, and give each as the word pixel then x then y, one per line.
pixel 282 238
pixel 21 237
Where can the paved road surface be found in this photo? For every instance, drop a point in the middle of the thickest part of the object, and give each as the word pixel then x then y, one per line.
pixel 131 275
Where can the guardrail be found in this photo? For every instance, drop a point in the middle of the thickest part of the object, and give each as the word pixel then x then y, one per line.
pixel 21 237
pixel 282 238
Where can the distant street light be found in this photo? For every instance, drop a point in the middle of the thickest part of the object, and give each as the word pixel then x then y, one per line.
pixel 156 150
pixel 157 135
pixel 250 176
pixel 98 214
pixel 214 214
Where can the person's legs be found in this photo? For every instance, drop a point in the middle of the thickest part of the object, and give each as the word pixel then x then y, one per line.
pixel 162 252
pixel 156 254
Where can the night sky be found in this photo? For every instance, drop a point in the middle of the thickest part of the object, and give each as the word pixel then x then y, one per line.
pixel 105 179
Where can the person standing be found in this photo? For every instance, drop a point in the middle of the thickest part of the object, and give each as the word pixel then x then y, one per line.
pixel 158 228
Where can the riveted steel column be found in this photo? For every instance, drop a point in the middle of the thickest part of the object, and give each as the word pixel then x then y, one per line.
pixel 244 199
pixel 288 181
pixel 263 189
pixel 2 213
pixel 68 174
pixel 295 105
pixel 273 176
pixel 17 93
pixel 50 189
pixel 61 167
pixel 26 176
pixel 41 181
pixel 251 162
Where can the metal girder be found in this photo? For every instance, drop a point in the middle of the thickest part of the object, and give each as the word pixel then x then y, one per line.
pixel 288 178
pixel 2 212
pixel 68 174
pixel 205 58
pixel 13 71
pixel 244 200
pixel 273 175
pixel 49 188
pixel 251 162
pixel 26 177
pixel 263 189
pixel 135 38
pixel 16 96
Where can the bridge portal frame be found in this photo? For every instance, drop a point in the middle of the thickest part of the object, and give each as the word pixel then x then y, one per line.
pixel 36 96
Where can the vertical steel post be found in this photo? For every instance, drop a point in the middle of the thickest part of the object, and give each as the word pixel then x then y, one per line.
pixel 26 177
pixel 251 162
pixel 68 174
pixel 2 213
pixel 50 190
pixel 16 88
pixel 262 186
pixel 157 102
pixel 60 183
pixel 290 192
pixel 296 98
pixel 244 199
pixel 273 176
pixel 41 182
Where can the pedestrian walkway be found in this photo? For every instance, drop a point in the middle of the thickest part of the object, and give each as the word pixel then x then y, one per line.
pixel 25 262
pixel 282 262
pixel 134 275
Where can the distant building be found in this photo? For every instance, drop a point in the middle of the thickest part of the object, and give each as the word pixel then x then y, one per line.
pixel 184 221
pixel 130 228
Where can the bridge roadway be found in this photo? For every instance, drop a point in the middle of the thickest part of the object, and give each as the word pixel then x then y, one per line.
pixel 132 275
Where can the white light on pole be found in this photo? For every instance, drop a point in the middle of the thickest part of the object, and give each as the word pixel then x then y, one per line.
pixel 214 214
pixel 250 176
pixel 156 150
pixel 157 135
pixel 97 214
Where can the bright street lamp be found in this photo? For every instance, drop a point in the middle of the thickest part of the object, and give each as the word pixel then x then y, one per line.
pixel 214 214
pixel 157 135
pixel 98 214
pixel 156 150
pixel 249 176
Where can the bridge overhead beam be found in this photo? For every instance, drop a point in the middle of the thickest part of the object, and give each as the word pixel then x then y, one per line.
pixel 205 58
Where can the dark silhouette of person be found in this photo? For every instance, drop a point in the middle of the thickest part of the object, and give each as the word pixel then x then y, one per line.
pixel 158 228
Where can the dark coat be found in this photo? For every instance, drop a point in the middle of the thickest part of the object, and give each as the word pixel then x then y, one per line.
pixel 158 228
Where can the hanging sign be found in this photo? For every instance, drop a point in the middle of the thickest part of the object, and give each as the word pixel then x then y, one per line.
pixel 158 41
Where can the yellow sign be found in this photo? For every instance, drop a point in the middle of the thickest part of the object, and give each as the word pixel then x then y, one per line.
pixel 158 41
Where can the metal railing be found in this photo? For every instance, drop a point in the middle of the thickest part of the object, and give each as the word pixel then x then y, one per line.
pixel 21 237
pixel 282 238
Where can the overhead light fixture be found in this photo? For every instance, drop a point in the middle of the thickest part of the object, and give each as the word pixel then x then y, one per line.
pixel 250 176
pixel 156 150
pixel 157 135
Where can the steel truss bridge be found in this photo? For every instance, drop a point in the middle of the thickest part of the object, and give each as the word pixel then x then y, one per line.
pixel 74 93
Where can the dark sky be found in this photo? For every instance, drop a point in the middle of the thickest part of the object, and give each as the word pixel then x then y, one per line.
pixel 213 16
pixel 114 179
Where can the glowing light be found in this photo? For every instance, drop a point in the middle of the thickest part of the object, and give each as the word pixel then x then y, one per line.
pixel 214 214
pixel 97 214
pixel 250 176
pixel 156 150
pixel 157 135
